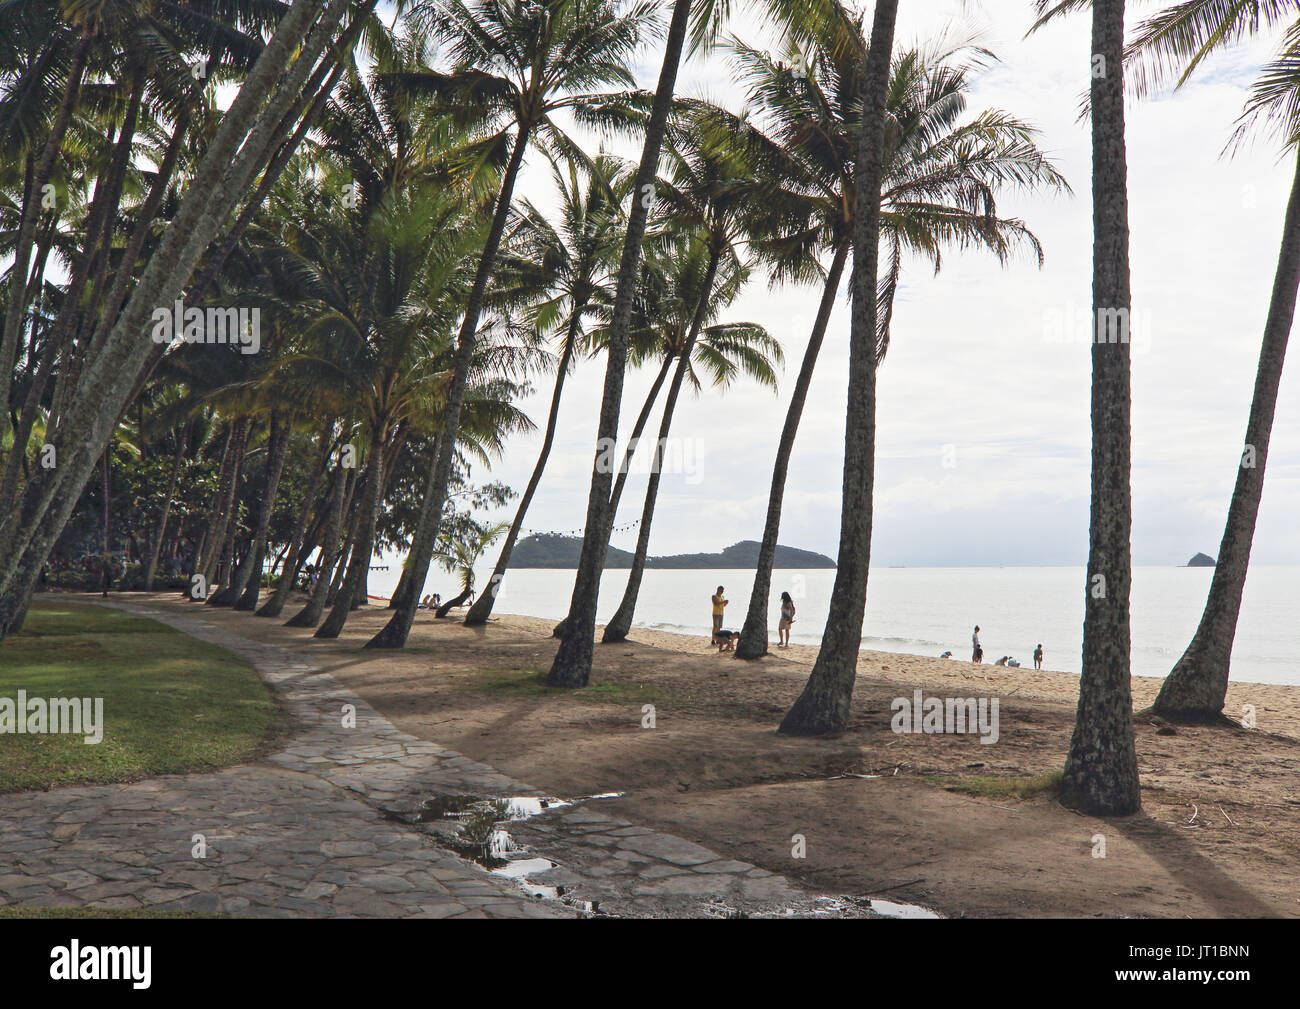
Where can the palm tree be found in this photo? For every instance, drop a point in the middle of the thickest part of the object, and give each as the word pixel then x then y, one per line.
pixel 824 704
pixel 517 64
pixel 572 664
pixel 942 178
pixel 461 554
pixel 575 261
pixel 693 282
pixel 1178 41
pixel 382 294
pixel 1101 773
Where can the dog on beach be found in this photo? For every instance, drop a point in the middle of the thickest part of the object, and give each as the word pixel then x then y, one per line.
pixel 726 640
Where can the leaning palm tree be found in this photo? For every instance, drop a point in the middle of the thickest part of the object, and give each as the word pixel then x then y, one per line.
pixel 575 262
pixel 1178 41
pixel 1101 772
pixel 689 286
pixel 517 63
pixel 824 704
pixel 459 557
pixel 942 179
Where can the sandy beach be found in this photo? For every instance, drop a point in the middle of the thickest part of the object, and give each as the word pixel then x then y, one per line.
pixel 937 820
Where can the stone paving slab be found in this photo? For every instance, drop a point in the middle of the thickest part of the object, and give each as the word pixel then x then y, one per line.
pixel 317 830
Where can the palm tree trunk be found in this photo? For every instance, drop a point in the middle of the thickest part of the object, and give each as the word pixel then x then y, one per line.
pixel 309 615
pixel 398 628
pixel 249 582
pixel 482 608
pixel 223 541
pixel 103 210
pixel 621 622
pixel 1197 686
pixel 215 528
pixel 753 636
pixel 452 603
pixel 298 546
pixel 625 467
pixel 406 585
pixel 824 704
pixel 359 566
pixel 572 664
pixel 1101 773
pixel 105 490
pixel 638 429
pixel 32 196
pixel 155 546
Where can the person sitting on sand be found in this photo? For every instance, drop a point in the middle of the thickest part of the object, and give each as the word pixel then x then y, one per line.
pixel 424 603
pixel 946 655
pixel 1003 661
pixel 1038 656
pixel 977 653
pixel 719 604
pixel 726 640
pixel 787 618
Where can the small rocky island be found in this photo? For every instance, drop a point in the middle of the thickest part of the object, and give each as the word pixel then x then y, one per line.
pixel 550 551
pixel 1201 561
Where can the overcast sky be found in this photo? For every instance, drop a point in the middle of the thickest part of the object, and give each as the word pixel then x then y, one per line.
pixel 978 376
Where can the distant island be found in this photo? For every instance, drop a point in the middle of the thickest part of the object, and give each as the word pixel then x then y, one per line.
pixel 1201 561
pixel 563 551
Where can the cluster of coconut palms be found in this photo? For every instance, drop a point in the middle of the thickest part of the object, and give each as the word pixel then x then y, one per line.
pixel 355 181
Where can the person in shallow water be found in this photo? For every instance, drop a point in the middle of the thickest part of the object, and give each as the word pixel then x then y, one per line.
pixel 787 618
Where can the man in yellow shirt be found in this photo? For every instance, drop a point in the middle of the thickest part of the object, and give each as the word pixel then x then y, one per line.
pixel 719 605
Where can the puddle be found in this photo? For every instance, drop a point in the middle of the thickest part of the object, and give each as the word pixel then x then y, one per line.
pixel 518 868
pixel 827 907
pixel 475 829
pixel 893 909
pixel 522 807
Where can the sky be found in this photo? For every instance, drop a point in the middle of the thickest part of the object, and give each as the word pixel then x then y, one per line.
pixel 983 411
pixel 983 436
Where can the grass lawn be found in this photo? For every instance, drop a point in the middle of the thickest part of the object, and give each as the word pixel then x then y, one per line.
pixel 171 703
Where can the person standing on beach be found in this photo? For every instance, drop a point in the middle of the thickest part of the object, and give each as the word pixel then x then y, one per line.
pixel 787 618
pixel 1038 656
pixel 977 653
pixel 719 606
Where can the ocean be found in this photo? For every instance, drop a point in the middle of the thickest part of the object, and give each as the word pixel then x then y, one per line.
pixel 927 611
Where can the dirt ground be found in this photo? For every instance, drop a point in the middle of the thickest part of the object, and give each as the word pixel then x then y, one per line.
pixel 942 823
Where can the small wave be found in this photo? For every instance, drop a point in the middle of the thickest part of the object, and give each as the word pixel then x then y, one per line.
pixel 910 642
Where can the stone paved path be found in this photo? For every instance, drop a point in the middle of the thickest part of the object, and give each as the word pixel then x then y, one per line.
pixel 327 827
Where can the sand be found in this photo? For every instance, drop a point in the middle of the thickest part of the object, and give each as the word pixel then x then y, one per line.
pixel 1218 835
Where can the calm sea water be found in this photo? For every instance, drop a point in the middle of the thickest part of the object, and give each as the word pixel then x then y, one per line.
pixel 928 611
